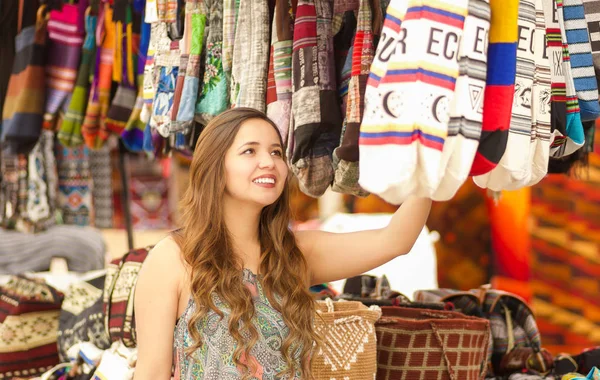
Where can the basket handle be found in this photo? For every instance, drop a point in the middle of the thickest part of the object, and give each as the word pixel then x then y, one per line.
pixel 330 306
pixel 441 342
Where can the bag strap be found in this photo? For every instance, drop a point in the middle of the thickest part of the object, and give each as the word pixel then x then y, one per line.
pixel 444 353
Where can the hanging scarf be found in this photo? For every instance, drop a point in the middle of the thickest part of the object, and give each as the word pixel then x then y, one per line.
pixel 69 133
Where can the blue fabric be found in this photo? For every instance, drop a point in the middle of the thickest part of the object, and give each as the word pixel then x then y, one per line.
pixel 502 64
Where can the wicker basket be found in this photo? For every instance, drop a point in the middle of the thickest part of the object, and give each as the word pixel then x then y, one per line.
pixel 348 349
pixel 415 344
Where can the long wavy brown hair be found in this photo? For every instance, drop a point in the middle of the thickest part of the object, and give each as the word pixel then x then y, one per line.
pixel 207 248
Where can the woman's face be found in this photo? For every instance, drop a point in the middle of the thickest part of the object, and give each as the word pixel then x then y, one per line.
pixel 255 170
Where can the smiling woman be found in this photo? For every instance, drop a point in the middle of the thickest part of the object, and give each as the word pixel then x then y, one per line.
pixel 234 281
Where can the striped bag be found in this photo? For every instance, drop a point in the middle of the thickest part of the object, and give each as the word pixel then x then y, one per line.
pixel 25 96
pixel 66 34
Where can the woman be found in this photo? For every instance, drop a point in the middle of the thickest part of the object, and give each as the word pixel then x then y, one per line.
pixel 233 282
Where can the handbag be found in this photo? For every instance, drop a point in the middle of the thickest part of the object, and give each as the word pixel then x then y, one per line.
pixel 29 312
pixel 428 344
pixel 512 323
pixel 347 348
pixel 119 290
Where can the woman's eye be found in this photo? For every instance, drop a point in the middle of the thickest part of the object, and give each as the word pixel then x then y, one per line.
pixel 249 151
pixel 278 153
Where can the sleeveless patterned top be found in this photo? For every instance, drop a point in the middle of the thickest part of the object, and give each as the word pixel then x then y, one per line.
pixel 214 360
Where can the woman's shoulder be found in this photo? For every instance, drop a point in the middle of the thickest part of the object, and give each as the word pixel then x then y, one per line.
pixel 166 258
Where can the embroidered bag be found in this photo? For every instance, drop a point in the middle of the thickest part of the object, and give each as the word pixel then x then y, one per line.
pixel 29 312
pixel 348 347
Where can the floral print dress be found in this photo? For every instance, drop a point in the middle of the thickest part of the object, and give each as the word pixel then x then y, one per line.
pixel 214 360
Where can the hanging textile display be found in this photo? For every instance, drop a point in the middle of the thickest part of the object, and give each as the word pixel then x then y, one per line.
pixel 396 98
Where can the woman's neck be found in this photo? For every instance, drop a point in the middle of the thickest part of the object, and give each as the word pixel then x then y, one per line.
pixel 242 223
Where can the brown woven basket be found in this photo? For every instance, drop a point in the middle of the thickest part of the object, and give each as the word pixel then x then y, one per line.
pixel 348 349
pixel 415 344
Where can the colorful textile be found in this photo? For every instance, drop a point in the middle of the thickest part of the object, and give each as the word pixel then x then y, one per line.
pixel 29 313
pixel 64 51
pixel 250 66
pixel 74 185
pixel 188 81
pixel 69 132
pixel 125 96
pixel 559 87
pixel 592 17
pixel 580 54
pixel 500 83
pixel 564 220
pixel 514 168
pixel 167 59
pixel 574 127
pixel 345 157
pixel 26 93
pixel 215 359
pixel 94 129
pixel 281 44
pixel 214 98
